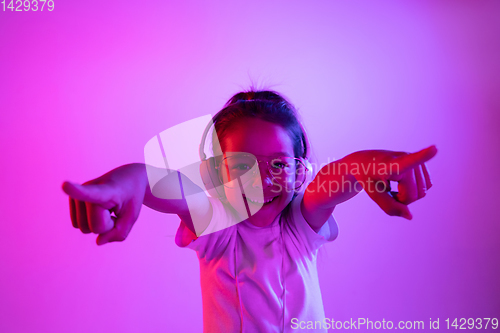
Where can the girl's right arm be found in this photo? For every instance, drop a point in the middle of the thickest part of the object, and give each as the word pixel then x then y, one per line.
pixel 110 205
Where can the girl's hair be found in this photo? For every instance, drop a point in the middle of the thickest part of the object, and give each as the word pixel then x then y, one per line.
pixel 265 105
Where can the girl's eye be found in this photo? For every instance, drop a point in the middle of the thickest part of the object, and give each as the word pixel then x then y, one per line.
pixel 241 167
pixel 278 165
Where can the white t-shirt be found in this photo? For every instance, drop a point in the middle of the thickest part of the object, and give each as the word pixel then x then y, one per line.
pixel 241 266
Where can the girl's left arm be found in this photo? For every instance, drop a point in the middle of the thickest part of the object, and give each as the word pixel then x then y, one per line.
pixel 371 170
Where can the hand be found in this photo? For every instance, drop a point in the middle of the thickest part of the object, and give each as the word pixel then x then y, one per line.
pixel 376 168
pixel 108 205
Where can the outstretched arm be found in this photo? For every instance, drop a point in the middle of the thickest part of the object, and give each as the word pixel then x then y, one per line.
pixel 110 205
pixel 371 170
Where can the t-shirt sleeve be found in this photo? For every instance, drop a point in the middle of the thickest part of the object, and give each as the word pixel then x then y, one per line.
pixel 213 237
pixel 310 238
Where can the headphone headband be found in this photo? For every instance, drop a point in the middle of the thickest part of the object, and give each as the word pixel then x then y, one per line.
pixel 201 150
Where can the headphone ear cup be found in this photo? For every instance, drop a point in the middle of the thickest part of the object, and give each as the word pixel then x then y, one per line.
pixel 210 178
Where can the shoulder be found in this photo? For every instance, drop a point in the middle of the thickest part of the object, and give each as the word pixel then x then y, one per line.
pixel 325 229
pixel 217 232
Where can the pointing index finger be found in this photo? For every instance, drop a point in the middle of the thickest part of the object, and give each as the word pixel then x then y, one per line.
pixel 413 160
pixel 97 194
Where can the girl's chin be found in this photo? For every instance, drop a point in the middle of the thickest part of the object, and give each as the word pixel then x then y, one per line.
pixel 263 213
pixel 259 220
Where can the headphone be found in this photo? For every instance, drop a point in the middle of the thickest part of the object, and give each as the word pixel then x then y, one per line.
pixel 208 166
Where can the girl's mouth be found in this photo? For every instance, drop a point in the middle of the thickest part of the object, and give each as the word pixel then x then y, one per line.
pixel 261 202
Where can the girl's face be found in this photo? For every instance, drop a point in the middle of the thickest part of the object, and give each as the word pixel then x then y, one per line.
pixel 264 140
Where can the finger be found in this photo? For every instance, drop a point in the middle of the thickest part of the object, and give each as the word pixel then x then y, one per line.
pixel 99 218
pixel 427 176
pixel 81 216
pixel 407 188
pixel 420 181
pixel 390 205
pixel 72 212
pixel 122 226
pixel 410 161
pixel 98 194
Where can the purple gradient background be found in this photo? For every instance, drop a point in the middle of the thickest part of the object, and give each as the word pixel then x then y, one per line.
pixel 83 88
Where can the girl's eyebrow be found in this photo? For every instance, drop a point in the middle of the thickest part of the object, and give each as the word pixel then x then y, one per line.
pixel 277 154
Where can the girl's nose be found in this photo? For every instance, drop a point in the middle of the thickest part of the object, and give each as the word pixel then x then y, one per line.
pixel 265 180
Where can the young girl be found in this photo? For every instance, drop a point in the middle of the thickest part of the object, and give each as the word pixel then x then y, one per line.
pixel 257 236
